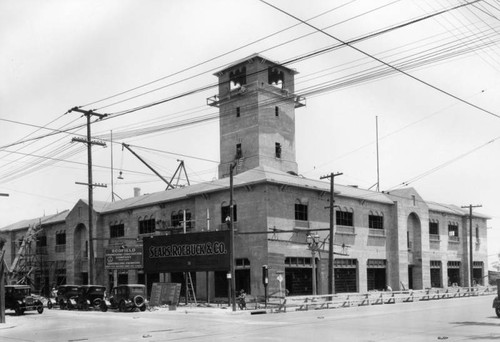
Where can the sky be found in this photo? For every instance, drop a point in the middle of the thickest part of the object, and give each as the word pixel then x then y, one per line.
pixel 425 73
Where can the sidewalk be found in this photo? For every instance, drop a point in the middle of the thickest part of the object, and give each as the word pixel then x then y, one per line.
pixel 204 308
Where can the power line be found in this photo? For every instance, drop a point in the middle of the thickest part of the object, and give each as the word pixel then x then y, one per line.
pixel 389 65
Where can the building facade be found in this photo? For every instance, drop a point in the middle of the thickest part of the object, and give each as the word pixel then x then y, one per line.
pixel 380 238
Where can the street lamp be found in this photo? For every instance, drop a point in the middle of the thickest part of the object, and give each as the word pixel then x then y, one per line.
pixel 312 242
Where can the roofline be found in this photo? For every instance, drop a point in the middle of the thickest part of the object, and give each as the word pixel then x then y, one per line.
pixel 246 59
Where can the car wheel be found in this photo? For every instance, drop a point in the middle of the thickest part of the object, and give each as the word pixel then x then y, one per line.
pixel 40 309
pixel 62 305
pixel 122 307
pixel 104 307
pixel 497 311
pixel 85 306
pixel 139 300
pixel 97 302
pixel 49 305
pixel 143 308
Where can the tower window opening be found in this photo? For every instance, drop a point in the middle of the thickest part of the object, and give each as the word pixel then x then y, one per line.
pixel 276 77
pixel 277 149
pixel 239 152
pixel 238 78
pixel 238 112
pixel 276 111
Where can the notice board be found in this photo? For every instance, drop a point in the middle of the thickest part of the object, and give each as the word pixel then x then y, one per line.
pixel 165 293
pixel 124 258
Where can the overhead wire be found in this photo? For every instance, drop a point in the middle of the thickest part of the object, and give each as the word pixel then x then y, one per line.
pixel 391 66
pixel 201 120
pixel 205 62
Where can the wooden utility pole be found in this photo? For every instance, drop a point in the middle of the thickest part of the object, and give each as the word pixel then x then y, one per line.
pixel 331 230
pixel 2 288
pixel 471 264
pixel 231 234
pixel 89 142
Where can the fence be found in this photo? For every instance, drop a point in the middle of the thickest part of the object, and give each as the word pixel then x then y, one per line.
pixel 378 298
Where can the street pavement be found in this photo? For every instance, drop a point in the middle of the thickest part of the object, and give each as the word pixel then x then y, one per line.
pixel 463 319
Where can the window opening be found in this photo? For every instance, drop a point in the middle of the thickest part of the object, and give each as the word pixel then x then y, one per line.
pixel 147 226
pixel 239 152
pixel 117 230
pixel 176 218
pixel 277 149
pixel 344 218
pixel 453 229
pixel 238 112
pixel 375 222
pixel 276 77
pixel 434 228
pixel 238 78
pixel 276 111
pixel 225 213
pixel 61 238
pixel 301 212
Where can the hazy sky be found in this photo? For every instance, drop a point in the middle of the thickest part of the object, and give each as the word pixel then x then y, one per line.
pixel 438 114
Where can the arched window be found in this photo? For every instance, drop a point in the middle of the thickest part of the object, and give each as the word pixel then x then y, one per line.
pixel 344 217
pixel 225 212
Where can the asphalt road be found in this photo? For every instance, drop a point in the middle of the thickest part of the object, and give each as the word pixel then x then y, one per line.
pixel 465 319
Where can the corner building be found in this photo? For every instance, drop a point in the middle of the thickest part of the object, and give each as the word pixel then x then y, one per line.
pixel 380 238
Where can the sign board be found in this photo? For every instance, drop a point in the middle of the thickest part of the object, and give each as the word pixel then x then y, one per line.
pixel 123 258
pixel 280 278
pixel 165 293
pixel 198 252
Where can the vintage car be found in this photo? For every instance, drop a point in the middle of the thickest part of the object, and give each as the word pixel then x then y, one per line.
pixel 126 297
pixel 90 296
pixel 65 298
pixel 19 299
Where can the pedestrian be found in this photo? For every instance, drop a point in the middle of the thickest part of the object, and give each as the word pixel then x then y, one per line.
pixel 388 288
pixel 242 300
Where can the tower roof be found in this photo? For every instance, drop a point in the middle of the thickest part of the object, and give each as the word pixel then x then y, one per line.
pixel 254 56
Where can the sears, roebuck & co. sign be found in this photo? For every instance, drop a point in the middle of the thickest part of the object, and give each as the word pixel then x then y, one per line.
pixel 207 251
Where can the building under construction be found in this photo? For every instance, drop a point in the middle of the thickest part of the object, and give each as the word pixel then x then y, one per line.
pixel 380 238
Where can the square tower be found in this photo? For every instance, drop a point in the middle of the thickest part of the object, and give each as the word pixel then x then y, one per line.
pixel 257 104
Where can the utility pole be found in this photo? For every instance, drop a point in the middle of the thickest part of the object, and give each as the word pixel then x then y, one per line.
pixel 332 218
pixel 378 168
pixel 471 266
pixel 89 142
pixel 231 236
pixel 2 287
pixel 2 275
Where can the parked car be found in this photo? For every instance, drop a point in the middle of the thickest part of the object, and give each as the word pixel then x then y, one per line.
pixel 126 297
pixel 66 297
pixel 90 296
pixel 19 299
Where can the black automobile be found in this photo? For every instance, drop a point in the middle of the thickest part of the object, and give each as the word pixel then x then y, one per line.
pixel 90 296
pixel 19 299
pixel 126 298
pixel 66 297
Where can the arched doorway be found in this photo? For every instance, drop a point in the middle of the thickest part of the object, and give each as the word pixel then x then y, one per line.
pixel 81 248
pixel 414 231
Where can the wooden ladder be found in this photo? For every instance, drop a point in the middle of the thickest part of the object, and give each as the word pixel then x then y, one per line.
pixel 190 294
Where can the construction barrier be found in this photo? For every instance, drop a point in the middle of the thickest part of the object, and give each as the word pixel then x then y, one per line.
pixel 378 298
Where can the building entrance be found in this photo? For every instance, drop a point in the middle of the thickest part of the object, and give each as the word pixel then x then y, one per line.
pixel 345 274
pixel 298 281
pixel 376 274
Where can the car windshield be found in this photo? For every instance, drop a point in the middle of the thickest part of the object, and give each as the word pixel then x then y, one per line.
pixel 97 289
pixel 23 292
pixel 137 290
